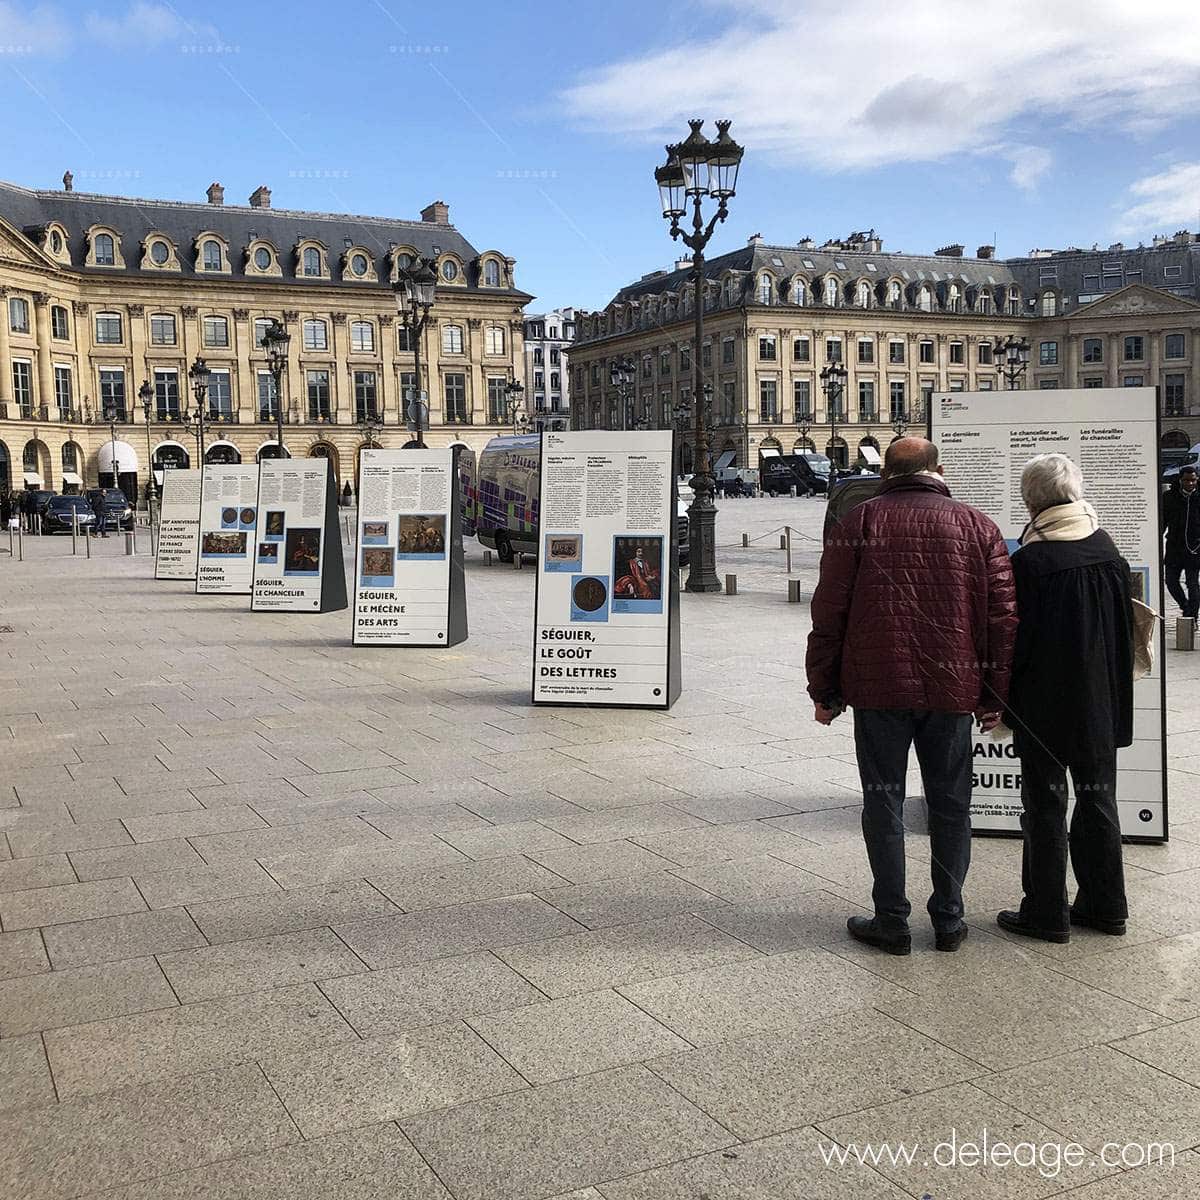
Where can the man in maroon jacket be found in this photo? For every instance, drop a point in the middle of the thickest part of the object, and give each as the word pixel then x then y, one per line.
pixel 913 624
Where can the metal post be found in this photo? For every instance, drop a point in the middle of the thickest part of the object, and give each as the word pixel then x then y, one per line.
pixel 129 542
pixel 793 591
pixel 702 512
pixel 87 545
pixel 1185 633
pixel 788 535
pixel 418 328
pixel 745 539
pixel 731 585
pixel 20 544
pixel 74 531
pixel 153 540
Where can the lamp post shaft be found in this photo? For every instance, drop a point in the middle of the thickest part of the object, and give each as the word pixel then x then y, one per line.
pixel 416 329
pixel 702 514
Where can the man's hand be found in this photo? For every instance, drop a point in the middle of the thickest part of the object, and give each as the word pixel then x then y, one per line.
pixel 825 714
pixel 987 720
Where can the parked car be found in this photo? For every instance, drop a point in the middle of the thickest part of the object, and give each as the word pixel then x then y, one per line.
pixel 63 513
pixel 809 473
pixel 117 513
pixel 506 509
pixel 37 498
pixel 1172 460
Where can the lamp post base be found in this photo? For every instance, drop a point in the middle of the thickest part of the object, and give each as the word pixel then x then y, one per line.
pixel 702 542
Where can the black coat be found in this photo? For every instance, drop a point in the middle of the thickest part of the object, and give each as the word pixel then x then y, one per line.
pixel 1072 680
pixel 1181 523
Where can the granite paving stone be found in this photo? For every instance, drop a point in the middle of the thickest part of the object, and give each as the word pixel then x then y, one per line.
pixel 1165 1180
pixel 68 902
pixel 635 822
pixel 434 992
pixel 1174 1049
pixel 778 923
pixel 756 877
pixel 53 998
pixel 632 899
pixel 359 860
pixel 715 843
pixel 24 1073
pixel 218 848
pixel 20 874
pixel 258 963
pixel 498 841
pixel 101 1056
pixel 132 860
pixel 488 879
pixel 364 1082
pixel 351 781
pixel 22 952
pixel 193 823
pixel 131 935
pixel 59 1151
pixel 89 835
pixel 498 1149
pixel 600 860
pixel 195 885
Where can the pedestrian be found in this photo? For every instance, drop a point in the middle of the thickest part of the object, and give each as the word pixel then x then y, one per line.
pixel 5 509
pixel 1181 523
pixel 1070 705
pixel 913 623
pixel 100 529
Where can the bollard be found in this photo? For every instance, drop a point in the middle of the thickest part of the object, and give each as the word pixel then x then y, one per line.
pixel 517 564
pixel 731 585
pixel 788 536
pixel 745 539
pixel 128 542
pixel 1185 633
pixel 487 558
pixel 782 542
pixel 74 531
pixel 87 545
pixel 792 491
pixel 794 591
pixel 20 545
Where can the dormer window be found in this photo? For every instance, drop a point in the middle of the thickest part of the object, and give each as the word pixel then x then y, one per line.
pixel 358 264
pixel 311 260
pixel 831 292
pixel 56 242
pixel 449 270
pixel 159 252
pixel 211 255
pixel 104 251
pixel 491 273
pixel 262 258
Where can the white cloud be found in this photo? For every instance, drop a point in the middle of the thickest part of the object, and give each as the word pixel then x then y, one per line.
pixel 144 24
pixel 25 30
pixel 1164 202
pixel 846 84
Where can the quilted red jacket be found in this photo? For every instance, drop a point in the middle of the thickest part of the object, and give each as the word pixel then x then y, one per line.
pixel 916 606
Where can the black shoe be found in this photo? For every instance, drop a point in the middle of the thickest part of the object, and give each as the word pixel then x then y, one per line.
pixel 867 930
pixel 1113 928
pixel 949 940
pixel 1015 922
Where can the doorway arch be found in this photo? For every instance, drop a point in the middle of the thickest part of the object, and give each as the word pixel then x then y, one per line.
pixel 35 465
pixel 5 470
pixel 1175 439
pixel 325 450
pixel 223 452
pixel 271 450
pixel 838 453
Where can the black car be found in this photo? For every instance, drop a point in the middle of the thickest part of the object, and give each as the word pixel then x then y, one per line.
pixel 34 501
pixel 117 513
pixel 808 473
pixel 63 513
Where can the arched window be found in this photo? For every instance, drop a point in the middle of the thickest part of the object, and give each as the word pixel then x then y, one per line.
pixel 211 255
pixel 1049 304
pixel 799 292
pixel 311 261
pixel 984 303
pixel 953 299
pixel 925 300
pixel 18 315
pixel 1014 302
pixel 765 288
pixel 452 339
pixel 449 270
pixel 728 290
pixel 831 292
pixel 216 332
pixel 863 295
pixel 362 336
pixel 491 273
pixel 104 252
pixel 894 294
pixel 316 335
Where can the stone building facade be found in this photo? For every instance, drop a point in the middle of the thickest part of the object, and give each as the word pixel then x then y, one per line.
pixel 548 338
pixel 903 326
pixel 103 293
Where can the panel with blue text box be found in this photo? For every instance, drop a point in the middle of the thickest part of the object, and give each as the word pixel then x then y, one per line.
pixel 606 626
pixel 228 516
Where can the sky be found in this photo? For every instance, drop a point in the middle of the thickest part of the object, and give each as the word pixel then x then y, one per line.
pixel 1033 123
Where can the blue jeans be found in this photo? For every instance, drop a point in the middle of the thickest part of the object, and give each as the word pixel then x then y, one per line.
pixel 882 737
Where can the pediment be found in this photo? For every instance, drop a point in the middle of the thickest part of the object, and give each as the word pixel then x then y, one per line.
pixel 15 247
pixel 1135 299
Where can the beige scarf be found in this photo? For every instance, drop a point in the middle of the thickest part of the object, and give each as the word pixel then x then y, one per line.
pixel 1062 523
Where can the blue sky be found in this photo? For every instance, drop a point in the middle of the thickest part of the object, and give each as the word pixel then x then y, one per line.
pixel 1039 124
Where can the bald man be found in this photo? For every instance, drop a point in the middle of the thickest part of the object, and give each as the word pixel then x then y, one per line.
pixel 913 623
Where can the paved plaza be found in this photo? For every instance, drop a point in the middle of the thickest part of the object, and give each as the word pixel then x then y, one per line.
pixel 283 918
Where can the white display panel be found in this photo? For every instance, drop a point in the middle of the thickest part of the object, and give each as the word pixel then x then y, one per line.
pixel 290 535
pixel 228 516
pixel 178 526
pixel 985 440
pixel 405 536
pixel 606 586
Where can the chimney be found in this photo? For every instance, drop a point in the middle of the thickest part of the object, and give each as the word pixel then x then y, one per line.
pixel 755 239
pixel 68 182
pixel 437 213
pixel 260 197
pixel 805 243
pixel 985 252
pixel 215 194
pixel 954 250
pixel 683 264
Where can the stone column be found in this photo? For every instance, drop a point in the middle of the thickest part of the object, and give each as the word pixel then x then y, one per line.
pixel 387 373
pixel 137 347
pixel 476 409
pixel 1112 373
pixel 45 372
pixel 244 384
pixel 290 398
pixel 5 359
pixel 341 381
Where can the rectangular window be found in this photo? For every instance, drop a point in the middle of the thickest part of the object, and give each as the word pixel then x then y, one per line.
pixel 366 395
pixel 108 329
pixel 985 354
pixel 59 327
pixel 220 396
pixel 112 392
pixel 404 339
pixel 768 401
pixel 539 379
pixel 729 407
pixel 22 374
pixel 452 339
pixel 801 350
pixel 766 347
pixel 455 391
pixel 987 385
pixel 555 356
pixel 1132 381
pixel 895 352
pixel 833 350
pixel 957 353
pixel 925 353
pixel 727 352
pixel 262 326
pixel 801 399
pixel 316 335
pixel 664 362
pixel 494 340
pixel 268 399
pixel 362 337
pixel 706 355
pixel 685 358
pixel 166 394
pixel 18 315
pixel 647 367
pixel 162 330
pixel 408 387
pixel 64 393
pixel 1175 346
pixel 1173 396
pixel 926 397
pixel 897 402
pixel 866 352
pixel 497 399
pixel 1134 349
pixel 1048 354
pixel 1047 385
pixel 317 384
pixel 1093 350
pixel 216 332
pixel 866 401
pixel 1093 381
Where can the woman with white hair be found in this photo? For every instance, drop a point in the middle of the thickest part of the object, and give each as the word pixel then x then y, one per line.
pixel 1070 705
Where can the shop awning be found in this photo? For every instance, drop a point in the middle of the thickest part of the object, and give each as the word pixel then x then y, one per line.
pixel 126 456
pixel 71 478
pixel 32 477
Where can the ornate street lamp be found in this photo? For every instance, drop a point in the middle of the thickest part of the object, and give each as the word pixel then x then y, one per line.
pixel 833 384
pixel 146 396
pixel 110 415
pixel 514 396
pixel 415 289
pixel 804 427
pixel 1013 354
pixel 621 373
pixel 275 341
pixel 199 376
pixel 697 168
pixel 681 414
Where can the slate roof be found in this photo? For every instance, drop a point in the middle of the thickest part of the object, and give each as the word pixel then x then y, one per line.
pixel 30 211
